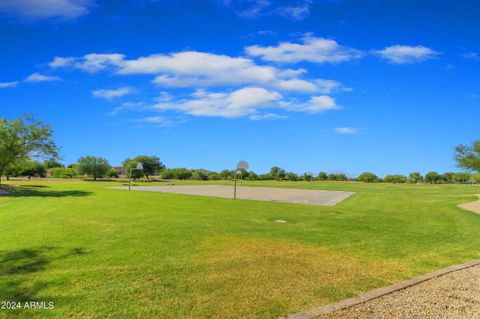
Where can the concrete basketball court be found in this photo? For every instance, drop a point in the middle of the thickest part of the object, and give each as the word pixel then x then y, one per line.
pixel 286 195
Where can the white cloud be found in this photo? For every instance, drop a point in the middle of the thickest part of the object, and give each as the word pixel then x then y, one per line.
pixel 471 56
pixel 158 121
pixel 404 54
pixel 256 8
pixel 312 49
pixel 42 9
pixel 59 62
pixel 330 86
pixel 242 102
pixel 249 101
pixel 112 94
pixel 200 70
pixel 4 85
pixel 37 77
pixel 318 104
pixel 347 130
pixel 298 12
pixel 91 63
pixel 266 116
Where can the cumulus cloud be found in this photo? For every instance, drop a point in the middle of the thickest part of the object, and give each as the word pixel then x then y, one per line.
pixel 248 101
pixel 4 85
pixel 113 93
pixel 42 9
pixel 312 49
pixel 37 77
pixel 235 104
pixel 225 86
pixel 317 104
pixel 91 63
pixel 347 130
pixel 404 54
pixel 200 70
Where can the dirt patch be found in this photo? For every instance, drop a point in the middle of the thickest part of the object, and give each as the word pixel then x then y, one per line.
pixel 255 278
pixel 472 206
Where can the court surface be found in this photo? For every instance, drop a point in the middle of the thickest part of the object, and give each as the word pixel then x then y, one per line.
pixel 286 195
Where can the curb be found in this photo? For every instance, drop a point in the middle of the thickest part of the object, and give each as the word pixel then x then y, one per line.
pixel 379 292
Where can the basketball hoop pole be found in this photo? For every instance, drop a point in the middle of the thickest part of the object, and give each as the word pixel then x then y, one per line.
pixel 241 165
pixel 235 185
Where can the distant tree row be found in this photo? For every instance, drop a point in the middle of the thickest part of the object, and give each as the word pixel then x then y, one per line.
pixel 25 142
pixel 97 167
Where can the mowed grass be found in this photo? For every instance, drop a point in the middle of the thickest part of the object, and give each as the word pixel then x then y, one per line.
pixel 103 253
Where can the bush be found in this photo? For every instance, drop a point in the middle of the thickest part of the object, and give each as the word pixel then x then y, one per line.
pixel 265 177
pixel 291 177
pixel 476 177
pixel 214 176
pixel 60 172
pixel 113 173
pixel 199 176
pixel 395 179
pixel 368 177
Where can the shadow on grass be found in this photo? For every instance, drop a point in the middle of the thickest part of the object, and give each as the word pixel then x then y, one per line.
pixel 35 186
pixel 33 192
pixel 16 268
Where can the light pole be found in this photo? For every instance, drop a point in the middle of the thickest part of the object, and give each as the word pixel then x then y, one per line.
pixel 139 167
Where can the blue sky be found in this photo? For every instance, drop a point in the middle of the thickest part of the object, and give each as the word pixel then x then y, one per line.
pixel 308 85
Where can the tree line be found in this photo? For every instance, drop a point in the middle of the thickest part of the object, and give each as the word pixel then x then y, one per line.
pixel 27 149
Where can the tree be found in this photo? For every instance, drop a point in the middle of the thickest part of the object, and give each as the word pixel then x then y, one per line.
pixel 342 177
pixel 293 177
pixel 23 139
pixel 415 177
pixel 181 173
pixel 252 176
pixel 278 173
pixel 395 179
pixel 332 177
pixel 151 166
pixel 60 172
pixel 468 157
pixel 113 173
pixel 368 177
pixel 476 177
pixel 52 163
pixel 432 177
pixel 322 176
pixel 96 167
pixel 461 177
pixel 32 169
pixel 448 177
pixel 226 174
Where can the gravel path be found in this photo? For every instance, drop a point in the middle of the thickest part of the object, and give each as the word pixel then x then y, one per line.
pixel 454 295
pixel 472 206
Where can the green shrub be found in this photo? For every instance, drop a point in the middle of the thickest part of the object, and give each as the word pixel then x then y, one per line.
pixel 60 172
pixel 113 173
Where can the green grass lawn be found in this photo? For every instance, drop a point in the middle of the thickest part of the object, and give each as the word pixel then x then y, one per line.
pixel 102 253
